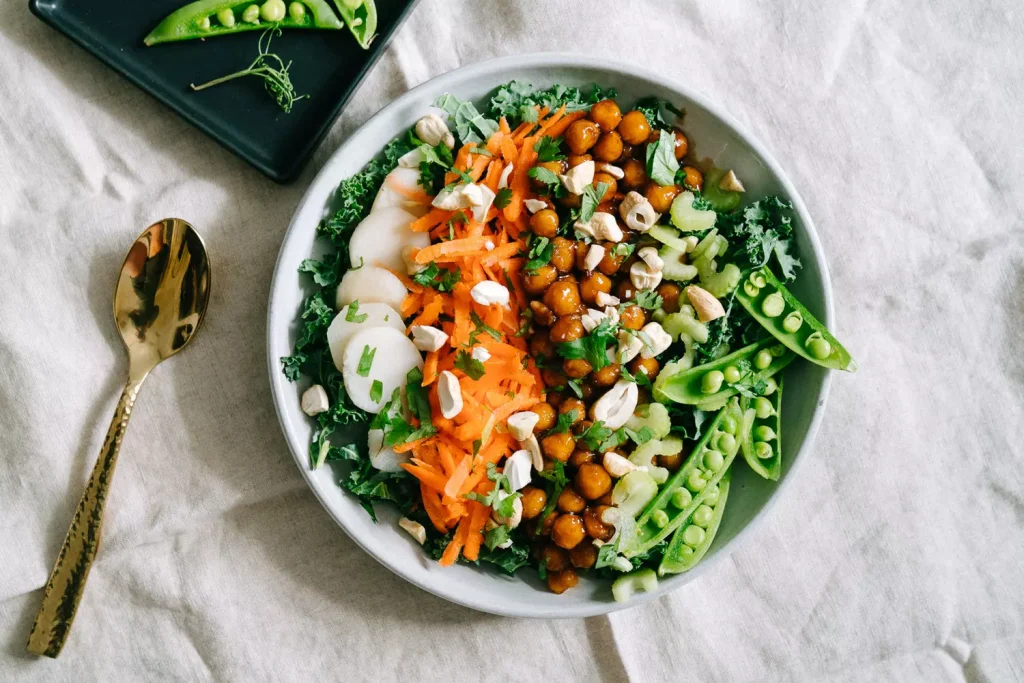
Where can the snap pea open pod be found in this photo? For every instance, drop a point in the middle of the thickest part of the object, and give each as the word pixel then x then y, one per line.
pixel 361 18
pixel 778 311
pixel 684 492
pixel 752 365
pixel 764 414
pixel 208 18
pixel 681 556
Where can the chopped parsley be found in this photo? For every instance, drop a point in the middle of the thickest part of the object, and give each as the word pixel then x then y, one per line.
pixel 592 347
pixel 502 198
pixel 594 436
pixel 473 368
pixel 366 362
pixel 591 198
pixel 353 315
pixel 649 299
pixel 539 252
pixel 564 422
pixel 441 279
pixel 547 149
pixel 376 391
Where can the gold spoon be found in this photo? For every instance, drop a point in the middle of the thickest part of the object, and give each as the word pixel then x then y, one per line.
pixel 159 305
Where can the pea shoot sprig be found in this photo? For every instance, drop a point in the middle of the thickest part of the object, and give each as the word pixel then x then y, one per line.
pixel 271 68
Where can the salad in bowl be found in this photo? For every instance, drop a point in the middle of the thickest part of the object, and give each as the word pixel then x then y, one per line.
pixel 548 333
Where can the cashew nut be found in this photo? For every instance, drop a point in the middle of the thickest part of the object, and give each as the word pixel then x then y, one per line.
pixel 638 212
pixel 594 256
pixel 521 424
pixel 449 394
pixel 432 130
pixel 643 277
pixel 708 308
pixel 426 338
pixel 617 404
pixel 730 183
pixel 415 529
pixel 578 177
pixel 314 400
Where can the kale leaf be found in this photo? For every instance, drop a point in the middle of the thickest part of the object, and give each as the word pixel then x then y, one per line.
pixel 516 100
pixel 759 231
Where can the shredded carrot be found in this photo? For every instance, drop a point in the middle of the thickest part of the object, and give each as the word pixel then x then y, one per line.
pixel 431 219
pixel 463 247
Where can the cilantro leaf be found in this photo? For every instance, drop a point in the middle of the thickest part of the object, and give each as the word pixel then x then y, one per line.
pixel 652 107
pixel 441 279
pixel 648 299
pixel 539 253
pixel 640 437
pixel 594 435
pixel 616 439
pixel 592 347
pixel 473 368
pixel 564 422
pixel 661 159
pixel 483 327
pixel 496 536
pixel 545 176
pixel 547 149
pixel 591 198
pixel 502 198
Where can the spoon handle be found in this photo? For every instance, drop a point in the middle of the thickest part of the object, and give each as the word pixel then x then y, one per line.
pixel 66 584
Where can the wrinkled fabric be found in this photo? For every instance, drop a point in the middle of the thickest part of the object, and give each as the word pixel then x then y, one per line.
pixel 897 553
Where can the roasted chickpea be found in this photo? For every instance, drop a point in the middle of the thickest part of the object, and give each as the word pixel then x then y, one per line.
pixel 608 375
pixel 661 196
pixel 576 368
pixel 682 145
pixel 558 446
pixel 566 329
pixel 563 297
pixel 570 200
pixel 546 417
pixel 583 556
pixel 670 293
pixel 611 262
pixel 559 582
pixel 634 127
pixel 570 404
pixel 606 114
pixel 634 174
pixel 547 523
pixel 534 500
pixel 535 282
pixel 608 147
pixel 553 397
pixel 577 159
pixel 627 153
pixel 694 178
pixel 587 389
pixel 570 501
pixel 645 366
pixel 625 290
pixel 592 481
pixel 580 457
pixel 581 136
pixel 606 499
pixel 632 318
pixel 568 531
pixel 563 254
pixel 542 315
pixel 544 223
pixel 554 558
pixel 593 524
pixel 670 462
pixel 611 186
pixel 557 167
pixel 552 378
pixel 593 283
pixel 540 344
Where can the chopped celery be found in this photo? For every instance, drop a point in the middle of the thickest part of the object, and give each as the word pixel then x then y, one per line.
pixel 642 580
pixel 654 416
pixel 674 268
pixel 633 492
pixel 719 199
pixel 689 219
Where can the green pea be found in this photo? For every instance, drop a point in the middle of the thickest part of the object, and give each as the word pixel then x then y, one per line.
pixel 777 350
pixel 732 374
pixel 694 481
pixel 702 516
pixel 763 450
pixel 204 23
pixel 297 11
pixel 226 17
pixel 773 305
pixel 693 535
pixel 712 382
pixel 750 289
pixel 660 519
pixel 707 474
pixel 764 433
pixel 729 424
pixel 792 322
pixel 725 442
pixel 757 279
pixel 251 14
pixel 714 460
pixel 685 553
pixel 763 359
pixel 681 498
pixel 711 494
pixel 770 386
pixel 763 408
pixel 818 346
pixel 273 10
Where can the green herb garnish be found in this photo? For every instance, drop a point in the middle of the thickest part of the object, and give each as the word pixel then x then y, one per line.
pixel 376 391
pixel 353 315
pixel 591 198
pixel 473 368
pixel 661 159
pixel 366 361
pixel 547 149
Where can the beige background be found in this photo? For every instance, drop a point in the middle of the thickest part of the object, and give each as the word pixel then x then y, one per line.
pixel 898 553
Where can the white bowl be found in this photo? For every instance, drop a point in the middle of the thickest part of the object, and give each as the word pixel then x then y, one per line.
pixel 714 133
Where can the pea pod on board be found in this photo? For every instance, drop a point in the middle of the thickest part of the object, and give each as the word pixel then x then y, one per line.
pixel 762 442
pixel 708 385
pixel 361 18
pixel 778 311
pixel 208 18
pixel 686 490
pixel 691 541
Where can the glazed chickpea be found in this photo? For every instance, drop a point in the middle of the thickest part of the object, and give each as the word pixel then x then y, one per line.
pixel 546 417
pixel 544 223
pixel 566 329
pixel 634 127
pixel 576 368
pixel 568 531
pixel 555 398
pixel 645 366
pixel 670 293
pixel 573 404
pixel 670 462
pixel 592 481
pixel 627 154
pixel 554 558
pixel 557 167
pixel 570 200
pixel 608 147
pixel 558 446
pixel 632 318
pixel 540 344
pixel 592 284
pixel 634 174
pixel 577 159
pixel 694 178
pixel 611 262
pixel 682 145
pixel 625 290
pixel 559 582
pixel 593 524
pixel 542 315
pixel 581 136
pixel 606 499
pixel 534 500
pixel 570 501
pixel 661 196
pixel 535 282
pixel 581 457
pixel 563 297
pixel 611 186
pixel 552 378
pixel 608 375
pixel 587 389
pixel 563 254
pixel 606 114
pixel 583 556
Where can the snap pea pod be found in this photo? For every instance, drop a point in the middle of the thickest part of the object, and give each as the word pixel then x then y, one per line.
pixel 778 311
pixel 711 383
pixel 762 442
pixel 690 485
pixel 361 18
pixel 208 18
pixel 692 540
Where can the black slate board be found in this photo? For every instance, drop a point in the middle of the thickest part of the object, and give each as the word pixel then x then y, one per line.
pixel 326 65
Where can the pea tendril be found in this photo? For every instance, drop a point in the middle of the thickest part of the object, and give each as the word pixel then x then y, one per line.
pixel 271 68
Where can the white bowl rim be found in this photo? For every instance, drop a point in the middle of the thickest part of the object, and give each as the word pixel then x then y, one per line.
pixel 440 84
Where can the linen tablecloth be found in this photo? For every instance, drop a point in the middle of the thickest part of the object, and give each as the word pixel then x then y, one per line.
pixel 898 553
